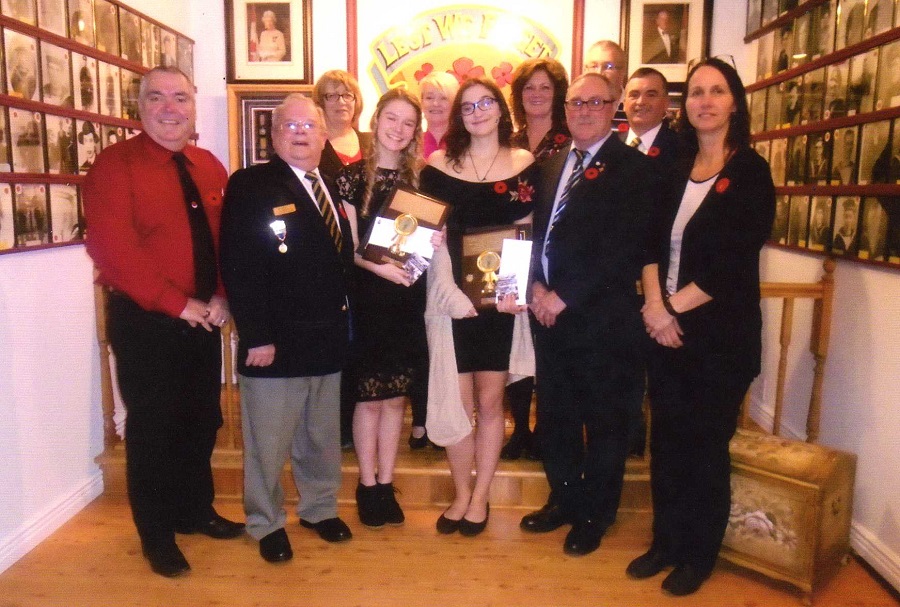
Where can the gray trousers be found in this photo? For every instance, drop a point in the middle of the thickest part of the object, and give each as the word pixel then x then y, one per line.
pixel 296 417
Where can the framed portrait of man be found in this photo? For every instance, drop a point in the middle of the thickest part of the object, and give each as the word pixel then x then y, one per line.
pixel 26 137
pixel 131 85
pixel 878 17
pixel 820 224
pixel 107 15
pixel 818 158
pixel 130 35
pixel 81 22
pixel 845 163
pixel 269 41
pixel 813 92
pixel 764 55
pixel 88 144
pixel 168 48
pixel 822 29
pixel 778 160
pixel 51 16
pixel 769 11
pixel 774 108
pixel 875 142
pixel 21 10
pixel 7 218
pixel 852 23
pixel 21 65
pixel 65 223
pixel 30 202
pixel 782 216
pixel 62 152
pixel 888 76
pixel 863 71
pixel 57 78
pixel 112 135
pixel 874 230
pixel 665 35
pixel 110 89
pixel 845 239
pixel 797 225
pixel 758 111
pixel 185 55
pixel 754 14
pixel 150 44
pixel 796 166
pixel 800 52
pixel 836 78
pixel 84 73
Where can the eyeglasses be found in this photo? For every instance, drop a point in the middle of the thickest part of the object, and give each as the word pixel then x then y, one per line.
pixel 601 67
pixel 348 97
pixel 729 59
pixel 483 104
pixel 297 127
pixel 594 104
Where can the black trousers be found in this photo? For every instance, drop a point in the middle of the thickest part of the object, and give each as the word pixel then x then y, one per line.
pixel 585 395
pixel 170 378
pixel 694 403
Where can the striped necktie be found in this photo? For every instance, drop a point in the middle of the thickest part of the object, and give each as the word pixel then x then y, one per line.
pixel 574 178
pixel 325 209
pixel 636 143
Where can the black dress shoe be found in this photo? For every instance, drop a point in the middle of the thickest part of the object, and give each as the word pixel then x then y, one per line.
pixel 470 529
pixel 446 526
pixel 167 560
pixel 418 443
pixel 330 530
pixel 517 444
pixel 215 527
pixel 648 564
pixel 276 547
pixel 584 537
pixel 548 518
pixel 684 579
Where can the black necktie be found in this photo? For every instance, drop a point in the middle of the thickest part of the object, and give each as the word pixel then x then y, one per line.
pixel 325 209
pixel 201 236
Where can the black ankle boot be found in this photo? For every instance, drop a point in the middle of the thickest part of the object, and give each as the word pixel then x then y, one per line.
pixel 369 505
pixel 390 509
pixel 518 442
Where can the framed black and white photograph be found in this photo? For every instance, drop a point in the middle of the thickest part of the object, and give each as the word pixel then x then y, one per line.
pixel 22 10
pixel 107 15
pixel 112 135
pixel 845 150
pixel 21 65
pixel 51 16
pixel 875 142
pixel 800 51
pixel 110 89
pixel 7 218
pixel 88 144
pixel 836 77
pixel 774 107
pixel 131 86
pixel 796 166
pixel 863 71
pixel 168 48
pixel 778 160
pixel 845 239
pixel 824 17
pixel 666 35
pixel 30 202
pixel 769 11
pixel 820 224
pixel 874 229
pixel 784 45
pixel 764 56
pixel 65 224
pixel 269 41
pixel 186 56
pixel 26 137
pixel 758 111
pixel 754 15
pixel 852 23
pixel 150 44
pixel 813 93
pixel 81 22
pixel 84 73
pixel 5 166
pixel 818 158
pixel 878 17
pixel 782 216
pixel 792 111
pixel 57 77
pixel 888 76
pixel 130 35
pixel 797 225
pixel 62 152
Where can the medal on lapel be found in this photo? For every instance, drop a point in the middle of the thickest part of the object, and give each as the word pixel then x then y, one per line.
pixel 280 230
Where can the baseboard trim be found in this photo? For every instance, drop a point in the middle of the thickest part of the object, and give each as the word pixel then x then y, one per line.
pixel 45 523
pixel 874 552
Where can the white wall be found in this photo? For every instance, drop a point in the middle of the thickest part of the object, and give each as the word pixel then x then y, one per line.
pixel 49 379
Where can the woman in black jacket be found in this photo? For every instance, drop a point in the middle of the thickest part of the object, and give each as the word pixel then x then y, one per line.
pixel 701 285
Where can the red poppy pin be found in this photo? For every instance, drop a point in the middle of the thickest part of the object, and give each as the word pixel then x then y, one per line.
pixel 653 152
pixel 525 192
pixel 594 172
pixel 500 187
pixel 722 185
pixel 560 139
pixel 623 127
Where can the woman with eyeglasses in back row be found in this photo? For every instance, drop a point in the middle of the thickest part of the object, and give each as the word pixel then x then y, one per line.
pixel 701 288
pixel 487 183
pixel 337 93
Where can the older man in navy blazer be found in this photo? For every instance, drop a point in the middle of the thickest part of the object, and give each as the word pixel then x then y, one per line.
pixel 590 222
pixel 286 256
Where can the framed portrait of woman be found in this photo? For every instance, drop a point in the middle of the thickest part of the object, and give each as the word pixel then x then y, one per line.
pixel 269 41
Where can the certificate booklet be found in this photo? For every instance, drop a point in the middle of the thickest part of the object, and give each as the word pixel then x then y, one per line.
pixel 515 263
pixel 482 260
pixel 401 232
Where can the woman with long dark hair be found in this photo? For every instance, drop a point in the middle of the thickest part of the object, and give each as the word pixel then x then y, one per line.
pixel 701 287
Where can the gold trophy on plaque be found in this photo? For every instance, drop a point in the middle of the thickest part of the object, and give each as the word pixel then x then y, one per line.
pixel 404 226
pixel 488 262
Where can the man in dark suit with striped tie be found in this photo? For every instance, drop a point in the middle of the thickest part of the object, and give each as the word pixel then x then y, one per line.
pixel 286 260
pixel 590 220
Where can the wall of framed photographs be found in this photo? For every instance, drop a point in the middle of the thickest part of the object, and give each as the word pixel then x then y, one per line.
pixel 69 77
pixel 825 113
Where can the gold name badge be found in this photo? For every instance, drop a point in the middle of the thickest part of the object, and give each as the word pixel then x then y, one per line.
pixel 284 210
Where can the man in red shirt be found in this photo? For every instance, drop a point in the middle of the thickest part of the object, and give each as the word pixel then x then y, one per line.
pixel 153 205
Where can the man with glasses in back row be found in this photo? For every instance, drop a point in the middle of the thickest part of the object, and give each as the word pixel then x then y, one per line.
pixel 591 215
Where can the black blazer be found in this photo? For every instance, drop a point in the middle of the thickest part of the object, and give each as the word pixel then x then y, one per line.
pixel 666 144
pixel 720 253
pixel 330 164
pixel 598 246
pixel 297 300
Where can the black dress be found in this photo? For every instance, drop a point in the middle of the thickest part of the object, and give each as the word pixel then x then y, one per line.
pixel 482 343
pixel 389 354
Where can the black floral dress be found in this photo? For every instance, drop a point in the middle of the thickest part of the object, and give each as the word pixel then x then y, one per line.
pixel 389 351
pixel 482 343
pixel 553 142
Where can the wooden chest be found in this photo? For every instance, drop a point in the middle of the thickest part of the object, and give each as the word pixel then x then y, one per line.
pixel 790 508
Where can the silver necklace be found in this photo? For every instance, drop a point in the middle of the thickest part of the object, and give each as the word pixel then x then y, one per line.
pixel 475 169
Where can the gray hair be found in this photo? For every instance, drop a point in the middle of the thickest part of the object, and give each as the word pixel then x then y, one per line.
pixel 278 112
pixel 162 69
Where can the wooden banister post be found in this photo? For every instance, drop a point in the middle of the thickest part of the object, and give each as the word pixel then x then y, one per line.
pixel 821 334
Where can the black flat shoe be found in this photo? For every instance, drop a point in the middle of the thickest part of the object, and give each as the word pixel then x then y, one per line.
pixel 167 560
pixel 418 443
pixel 446 526
pixel 470 529
pixel 215 527
pixel 648 564
pixel 684 580
pixel 276 547
pixel 330 530
pixel 549 518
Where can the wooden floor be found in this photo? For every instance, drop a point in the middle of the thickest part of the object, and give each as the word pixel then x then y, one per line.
pixel 94 560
